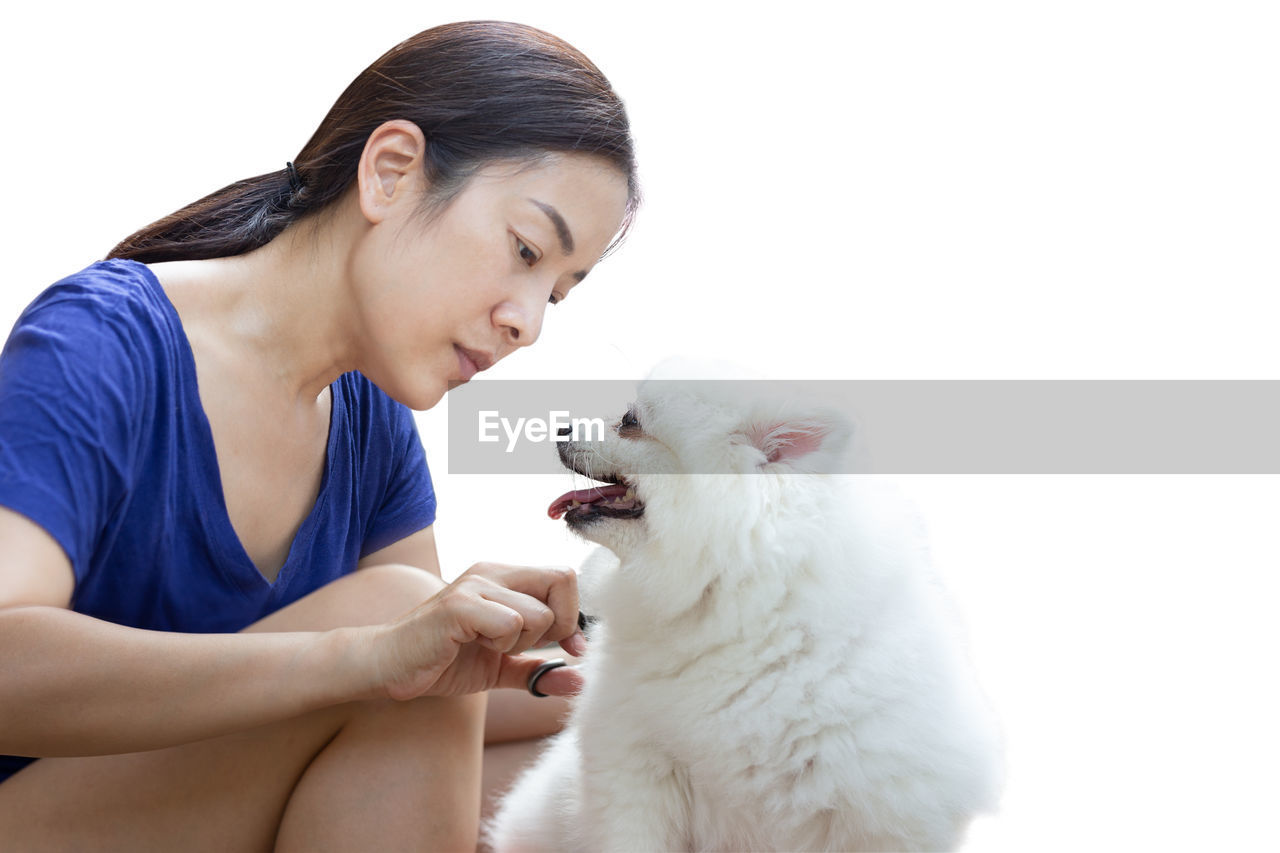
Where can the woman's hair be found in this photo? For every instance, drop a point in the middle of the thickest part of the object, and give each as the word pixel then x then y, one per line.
pixel 480 91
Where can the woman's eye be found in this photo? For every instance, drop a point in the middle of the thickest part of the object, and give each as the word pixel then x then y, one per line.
pixel 529 256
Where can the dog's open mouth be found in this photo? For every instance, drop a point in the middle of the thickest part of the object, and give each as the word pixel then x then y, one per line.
pixel 616 500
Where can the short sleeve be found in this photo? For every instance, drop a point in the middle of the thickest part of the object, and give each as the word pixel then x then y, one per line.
pixel 409 504
pixel 69 391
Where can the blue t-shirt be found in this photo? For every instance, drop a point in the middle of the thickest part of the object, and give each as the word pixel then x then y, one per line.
pixel 104 444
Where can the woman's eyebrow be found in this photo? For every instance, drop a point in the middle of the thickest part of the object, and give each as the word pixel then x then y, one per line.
pixel 562 227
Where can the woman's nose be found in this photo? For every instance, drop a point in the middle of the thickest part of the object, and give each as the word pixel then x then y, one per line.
pixel 521 322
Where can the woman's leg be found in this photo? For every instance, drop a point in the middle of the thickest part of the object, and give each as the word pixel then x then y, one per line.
pixel 371 775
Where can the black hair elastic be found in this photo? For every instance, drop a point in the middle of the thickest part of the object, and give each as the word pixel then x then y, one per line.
pixel 542 670
pixel 295 182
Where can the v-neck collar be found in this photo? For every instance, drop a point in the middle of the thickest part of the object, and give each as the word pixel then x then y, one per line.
pixel 231 553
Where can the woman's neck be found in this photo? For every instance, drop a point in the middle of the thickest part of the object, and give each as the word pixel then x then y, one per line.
pixel 284 309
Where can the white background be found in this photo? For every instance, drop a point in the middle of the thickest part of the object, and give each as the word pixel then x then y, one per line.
pixel 881 190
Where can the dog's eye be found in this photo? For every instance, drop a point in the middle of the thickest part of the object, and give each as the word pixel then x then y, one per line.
pixel 629 424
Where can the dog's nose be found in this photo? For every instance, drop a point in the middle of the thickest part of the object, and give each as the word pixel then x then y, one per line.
pixel 564 430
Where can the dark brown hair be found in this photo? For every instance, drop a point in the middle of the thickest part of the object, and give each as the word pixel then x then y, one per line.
pixel 480 91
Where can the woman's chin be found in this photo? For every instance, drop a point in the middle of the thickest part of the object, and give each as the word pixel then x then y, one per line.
pixel 418 395
pixel 426 398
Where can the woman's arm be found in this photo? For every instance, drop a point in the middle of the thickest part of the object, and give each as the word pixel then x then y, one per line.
pixel 74 685
pixel 417 550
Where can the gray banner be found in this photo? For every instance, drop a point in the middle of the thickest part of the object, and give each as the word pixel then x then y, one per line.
pixel 921 427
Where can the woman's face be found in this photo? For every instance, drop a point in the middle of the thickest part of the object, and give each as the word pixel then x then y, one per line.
pixel 442 298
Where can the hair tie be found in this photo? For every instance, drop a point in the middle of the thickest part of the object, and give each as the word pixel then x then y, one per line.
pixel 543 669
pixel 295 182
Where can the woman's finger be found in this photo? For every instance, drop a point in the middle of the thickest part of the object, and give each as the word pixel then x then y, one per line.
pixel 556 586
pixel 490 623
pixel 562 598
pixel 536 618
pixel 515 671
pixel 575 644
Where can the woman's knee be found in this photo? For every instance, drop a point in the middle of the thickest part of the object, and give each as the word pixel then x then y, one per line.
pixel 416 769
pixel 365 597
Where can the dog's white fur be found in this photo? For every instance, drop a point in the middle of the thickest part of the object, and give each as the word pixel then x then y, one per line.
pixel 774 668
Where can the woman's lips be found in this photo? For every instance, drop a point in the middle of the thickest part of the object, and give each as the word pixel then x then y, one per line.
pixel 471 362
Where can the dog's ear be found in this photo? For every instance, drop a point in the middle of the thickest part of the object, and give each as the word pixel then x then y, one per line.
pixel 815 442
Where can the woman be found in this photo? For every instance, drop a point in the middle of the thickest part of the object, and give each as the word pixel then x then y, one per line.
pixel 222 623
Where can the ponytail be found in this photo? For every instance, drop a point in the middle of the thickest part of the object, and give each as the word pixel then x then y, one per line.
pixel 236 219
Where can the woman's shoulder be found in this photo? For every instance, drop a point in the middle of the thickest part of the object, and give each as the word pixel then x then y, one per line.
pixel 107 296
pixel 110 319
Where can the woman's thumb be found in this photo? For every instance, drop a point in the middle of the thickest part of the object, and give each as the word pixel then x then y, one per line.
pixel 517 671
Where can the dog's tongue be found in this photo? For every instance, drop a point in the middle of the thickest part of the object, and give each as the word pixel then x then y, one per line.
pixel 584 496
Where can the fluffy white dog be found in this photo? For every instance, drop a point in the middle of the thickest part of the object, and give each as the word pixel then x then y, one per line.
pixel 773 667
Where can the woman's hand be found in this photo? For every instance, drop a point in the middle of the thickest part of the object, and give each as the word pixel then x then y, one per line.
pixel 465 638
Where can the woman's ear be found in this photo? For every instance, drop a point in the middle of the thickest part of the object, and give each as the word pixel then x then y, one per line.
pixel 390 170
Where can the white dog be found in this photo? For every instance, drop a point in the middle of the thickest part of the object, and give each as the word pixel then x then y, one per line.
pixel 772 669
